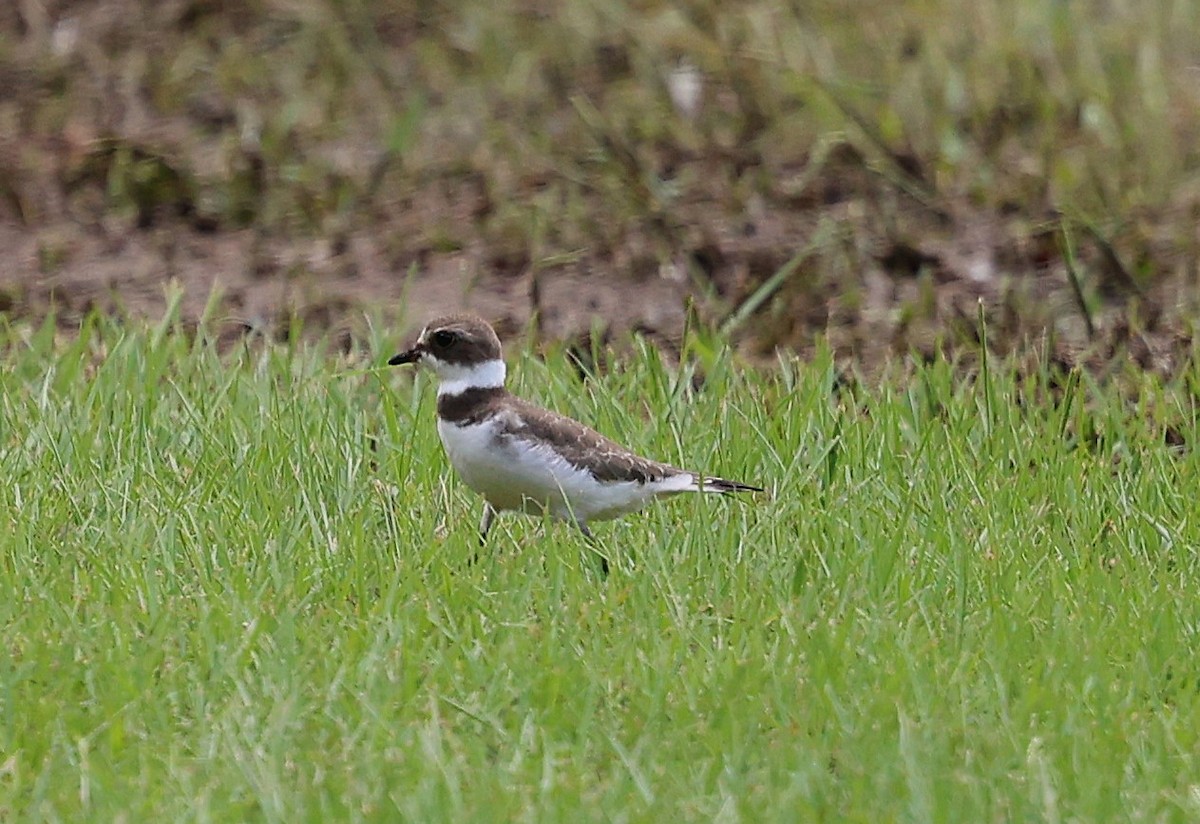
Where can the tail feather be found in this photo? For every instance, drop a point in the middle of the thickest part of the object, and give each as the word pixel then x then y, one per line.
pixel 722 486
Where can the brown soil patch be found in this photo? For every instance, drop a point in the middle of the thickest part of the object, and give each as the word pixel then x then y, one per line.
pixel 113 191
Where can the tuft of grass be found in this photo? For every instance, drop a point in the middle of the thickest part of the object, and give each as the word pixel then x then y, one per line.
pixel 960 600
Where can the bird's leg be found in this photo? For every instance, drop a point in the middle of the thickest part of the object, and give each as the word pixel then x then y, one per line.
pixel 593 547
pixel 485 523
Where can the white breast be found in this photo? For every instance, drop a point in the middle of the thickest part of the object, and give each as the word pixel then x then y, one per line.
pixel 514 473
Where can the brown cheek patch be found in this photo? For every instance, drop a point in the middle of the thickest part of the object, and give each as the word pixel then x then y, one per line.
pixel 465 350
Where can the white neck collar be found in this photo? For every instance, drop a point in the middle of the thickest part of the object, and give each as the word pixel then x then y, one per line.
pixel 456 378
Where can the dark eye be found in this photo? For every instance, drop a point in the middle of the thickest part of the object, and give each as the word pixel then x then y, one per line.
pixel 442 338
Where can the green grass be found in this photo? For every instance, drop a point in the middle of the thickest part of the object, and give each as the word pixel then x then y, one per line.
pixel 959 602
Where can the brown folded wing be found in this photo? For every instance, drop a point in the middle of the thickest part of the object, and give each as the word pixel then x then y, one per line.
pixel 585 448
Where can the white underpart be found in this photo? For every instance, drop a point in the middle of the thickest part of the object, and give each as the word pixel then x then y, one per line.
pixel 517 473
pixel 455 378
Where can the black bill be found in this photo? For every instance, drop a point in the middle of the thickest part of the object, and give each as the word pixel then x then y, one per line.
pixel 411 356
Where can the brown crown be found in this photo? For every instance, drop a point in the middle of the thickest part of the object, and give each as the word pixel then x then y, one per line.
pixel 460 339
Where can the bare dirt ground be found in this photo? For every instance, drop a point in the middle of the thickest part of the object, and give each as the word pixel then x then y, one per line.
pixel 235 151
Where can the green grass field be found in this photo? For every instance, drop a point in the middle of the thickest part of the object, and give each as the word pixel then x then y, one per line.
pixel 960 601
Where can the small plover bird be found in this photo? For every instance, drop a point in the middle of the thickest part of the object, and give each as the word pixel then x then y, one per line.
pixel 521 457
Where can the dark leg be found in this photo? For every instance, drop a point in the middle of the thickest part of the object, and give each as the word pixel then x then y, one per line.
pixel 485 523
pixel 593 546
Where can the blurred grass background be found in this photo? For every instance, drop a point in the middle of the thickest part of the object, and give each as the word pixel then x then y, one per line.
pixel 862 172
